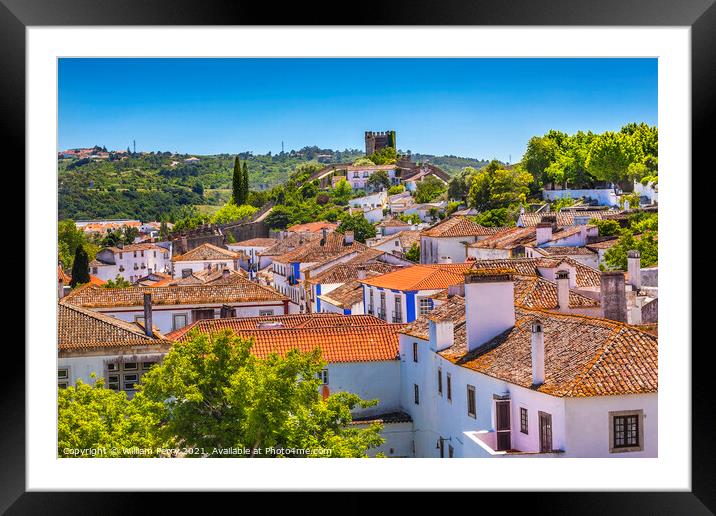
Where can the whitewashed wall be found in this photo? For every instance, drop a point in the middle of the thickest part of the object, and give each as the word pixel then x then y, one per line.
pixel 604 196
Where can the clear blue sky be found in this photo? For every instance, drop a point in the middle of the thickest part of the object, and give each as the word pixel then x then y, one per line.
pixel 482 108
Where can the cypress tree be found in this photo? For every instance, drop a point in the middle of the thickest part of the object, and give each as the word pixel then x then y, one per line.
pixel 245 184
pixel 236 184
pixel 80 267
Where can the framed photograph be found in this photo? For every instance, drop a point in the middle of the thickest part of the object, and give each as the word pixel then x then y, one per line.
pixel 431 234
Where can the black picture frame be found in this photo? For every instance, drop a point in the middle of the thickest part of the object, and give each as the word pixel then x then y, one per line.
pixel 700 15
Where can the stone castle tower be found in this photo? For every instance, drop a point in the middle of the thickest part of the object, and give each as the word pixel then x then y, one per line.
pixel 375 141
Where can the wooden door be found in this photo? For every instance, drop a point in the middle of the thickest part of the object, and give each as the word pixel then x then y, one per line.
pixel 545 432
pixel 504 438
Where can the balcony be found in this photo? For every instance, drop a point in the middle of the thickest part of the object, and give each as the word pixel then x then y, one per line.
pixel 398 318
pixel 381 315
pixel 483 443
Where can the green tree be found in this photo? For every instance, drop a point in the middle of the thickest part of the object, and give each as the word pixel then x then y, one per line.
pixel 230 212
pixel 198 188
pixel 90 417
pixel 80 268
pixel 384 156
pixel 498 217
pixel 429 189
pixel 646 244
pixel 606 227
pixel 610 155
pixel 342 192
pixel 396 189
pixel 118 282
pixel 219 395
pixel 244 183
pixel 69 238
pixel 379 180
pixel 363 162
pixel 413 254
pixel 458 188
pixel 496 187
pixel 279 218
pixel 237 183
pixel 362 229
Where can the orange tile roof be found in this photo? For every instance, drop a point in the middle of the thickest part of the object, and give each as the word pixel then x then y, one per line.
pixel 137 247
pixel 63 276
pixel 206 252
pixel 584 356
pixel 458 226
pixel 239 291
pixel 565 218
pixel 256 242
pixel 80 329
pixel 318 250
pixel 421 277
pixel 312 227
pixel 585 277
pixel 94 280
pixel 346 343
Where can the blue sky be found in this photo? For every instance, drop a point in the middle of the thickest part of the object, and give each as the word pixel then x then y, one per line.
pixel 482 108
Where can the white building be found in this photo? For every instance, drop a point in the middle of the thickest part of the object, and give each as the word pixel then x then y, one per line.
pixel 397 244
pixel 564 217
pixel 205 256
pixel 176 306
pixel 370 371
pixel 131 262
pixel 120 352
pixel 249 251
pixel 376 200
pixel 448 240
pixel 392 226
pixel 359 175
pixel 482 378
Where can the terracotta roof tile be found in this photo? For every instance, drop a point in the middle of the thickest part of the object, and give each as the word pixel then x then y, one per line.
pixel 586 276
pixel 458 226
pixel 256 242
pixel 312 227
pixel 79 329
pixel 422 277
pixel 356 342
pixel 565 218
pixel 319 250
pixel 239 291
pixel 584 356
pixel 206 252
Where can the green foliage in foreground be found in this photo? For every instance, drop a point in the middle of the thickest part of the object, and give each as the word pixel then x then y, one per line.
pixel 211 394
pixel 429 189
pixel 230 212
pixel 646 244
pixel 91 417
pixel 118 282
pixel 413 254
pixel 360 226
pixel 606 227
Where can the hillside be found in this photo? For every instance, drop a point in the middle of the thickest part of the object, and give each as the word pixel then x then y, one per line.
pixel 149 186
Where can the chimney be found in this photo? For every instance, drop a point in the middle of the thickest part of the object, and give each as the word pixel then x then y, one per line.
pixel 148 314
pixel 634 269
pixel 444 259
pixel 442 334
pixel 361 272
pixel 225 273
pixel 489 304
pixel 348 237
pixel 543 232
pixel 537 354
pixel 612 296
pixel 324 235
pixel 456 290
pixel 563 290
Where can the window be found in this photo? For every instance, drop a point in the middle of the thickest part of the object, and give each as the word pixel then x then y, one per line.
pixel 381 310
pixel 265 312
pixel 440 382
pixel 94 270
pixel 415 351
pixel 135 254
pixel 147 365
pixel 63 374
pixel 112 367
pixel 323 376
pixel 113 382
pixel 627 432
pixel 416 392
pixel 425 305
pixel 449 387
pixel 370 302
pixel 203 314
pixel 471 405
pixel 130 366
pixel 130 380
pixel 398 310
pixel 155 254
pixel 141 253
pixel 523 421
pixel 120 256
pixel 178 321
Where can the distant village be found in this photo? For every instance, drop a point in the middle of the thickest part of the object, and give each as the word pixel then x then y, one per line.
pixel 486 342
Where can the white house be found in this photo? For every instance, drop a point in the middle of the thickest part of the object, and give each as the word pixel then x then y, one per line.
pixel 448 240
pixel 205 256
pixel 375 200
pixel 359 175
pixel 176 306
pixel 564 217
pixel 131 262
pixel 120 352
pixel 488 379
pixel 249 251
pixel 370 371
pixel 288 268
pixel 397 243
pixel 391 226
